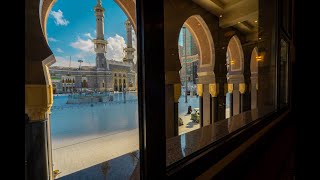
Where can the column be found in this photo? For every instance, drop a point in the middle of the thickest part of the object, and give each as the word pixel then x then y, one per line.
pixel 214 90
pixel 230 91
pixel 176 95
pixel 206 105
pixel 200 93
pixel 173 92
pixel 118 87
pixel 38 101
pixel 254 89
pixel 221 100
pixel 38 95
pixel 236 99
pixel 242 90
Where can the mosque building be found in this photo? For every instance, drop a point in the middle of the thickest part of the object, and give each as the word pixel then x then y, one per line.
pixel 108 74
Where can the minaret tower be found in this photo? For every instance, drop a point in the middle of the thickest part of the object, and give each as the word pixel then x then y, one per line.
pixel 100 45
pixel 129 49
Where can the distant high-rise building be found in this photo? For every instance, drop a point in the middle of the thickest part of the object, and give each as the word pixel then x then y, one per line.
pixel 192 57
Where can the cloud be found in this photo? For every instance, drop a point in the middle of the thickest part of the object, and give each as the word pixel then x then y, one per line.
pixel 52 39
pixel 62 61
pixel 88 35
pixel 115 48
pixel 58 17
pixel 83 45
pixel 59 50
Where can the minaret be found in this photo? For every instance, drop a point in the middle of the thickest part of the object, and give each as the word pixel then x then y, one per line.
pixel 129 49
pixel 100 45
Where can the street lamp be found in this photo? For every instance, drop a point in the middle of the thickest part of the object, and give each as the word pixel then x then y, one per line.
pixel 80 61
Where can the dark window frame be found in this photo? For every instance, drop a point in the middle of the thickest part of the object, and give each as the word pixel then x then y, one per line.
pixel 150 65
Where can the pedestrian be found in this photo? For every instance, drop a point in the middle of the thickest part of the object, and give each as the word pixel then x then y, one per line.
pixel 189 110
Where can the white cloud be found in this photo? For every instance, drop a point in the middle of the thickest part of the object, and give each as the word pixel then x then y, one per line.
pixel 88 35
pixel 58 17
pixel 59 50
pixel 83 45
pixel 62 61
pixel 52 39
pixel 115 48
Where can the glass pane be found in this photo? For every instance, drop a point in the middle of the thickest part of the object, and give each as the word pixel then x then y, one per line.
pixel 94 117
pixel 283 73
pixel 220 70
pixel 188 107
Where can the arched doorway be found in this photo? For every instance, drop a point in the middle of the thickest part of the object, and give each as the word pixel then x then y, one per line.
pixel 84 83
pixel 115 85
pixel 235 78
pixel 189 101
pixel 196 60
pixel 254 77
pixel 120 85
pixel 36 15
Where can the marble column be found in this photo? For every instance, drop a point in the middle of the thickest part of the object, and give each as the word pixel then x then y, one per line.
pixel 236 99
pixel 38 92
pixel 200 93
pixel 173 92
pixel 206 103
pixel 221 101
pixel 36 149
pixel 38 101
pixel 118 86
pixel 214 90
pixel 242 90
pixel 230 91
pixel 254 89
pixel 176 95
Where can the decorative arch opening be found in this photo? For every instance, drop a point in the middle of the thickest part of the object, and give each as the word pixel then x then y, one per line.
pixel 235 78
pixel 197 59
pixel 203 38
pixel 254 77
pixel 45 6
pixel 234 56
pixel 128 7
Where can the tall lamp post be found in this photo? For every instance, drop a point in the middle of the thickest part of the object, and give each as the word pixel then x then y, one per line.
pixel 185 60
pixel 80 61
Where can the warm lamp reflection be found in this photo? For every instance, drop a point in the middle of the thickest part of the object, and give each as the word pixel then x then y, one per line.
pixel 259 58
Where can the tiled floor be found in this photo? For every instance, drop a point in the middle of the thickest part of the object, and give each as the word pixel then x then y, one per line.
pixel 123 167
pixel 69 159
pixel 188 125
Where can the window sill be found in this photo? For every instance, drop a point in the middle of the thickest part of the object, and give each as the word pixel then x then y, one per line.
pixel 208 145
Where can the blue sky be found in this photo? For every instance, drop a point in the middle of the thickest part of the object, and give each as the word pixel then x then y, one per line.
pixel 71 26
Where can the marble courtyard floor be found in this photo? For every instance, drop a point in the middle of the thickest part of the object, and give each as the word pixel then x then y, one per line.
pixel 84 153
pixel 72 158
